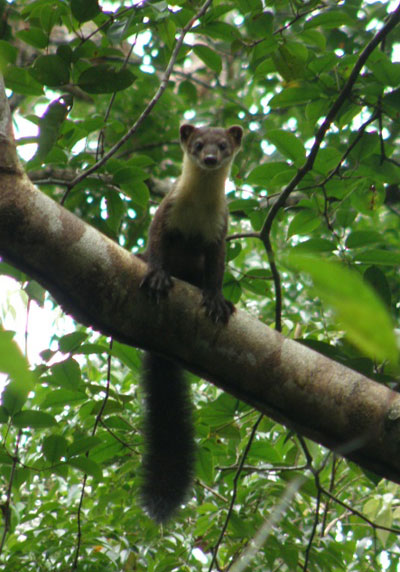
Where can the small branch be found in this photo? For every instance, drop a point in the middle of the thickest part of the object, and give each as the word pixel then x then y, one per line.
pixel 243 235
pixel 9 162
pixel 298 17
pixel 96 424
pixel 5 507
pixel 360 515
pixel 340 100
pixel 308 165
pixel 349 149
pixel 315 473
pixel 151 104
pixel 234 491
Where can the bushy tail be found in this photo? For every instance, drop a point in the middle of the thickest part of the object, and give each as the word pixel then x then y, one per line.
pixel 169 455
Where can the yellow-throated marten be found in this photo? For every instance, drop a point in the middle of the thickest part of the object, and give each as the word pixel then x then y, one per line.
pixel 186 240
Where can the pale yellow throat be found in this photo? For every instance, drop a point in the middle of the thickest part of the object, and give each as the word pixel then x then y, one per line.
pixel 198 201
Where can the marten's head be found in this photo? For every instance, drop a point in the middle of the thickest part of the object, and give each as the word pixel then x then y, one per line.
pixel 211 147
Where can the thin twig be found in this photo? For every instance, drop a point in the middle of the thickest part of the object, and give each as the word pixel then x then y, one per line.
pixel 85 477
pixel 315 473
pixel 234 491
pixel 6 506
pixel 360 515
pixel 356 140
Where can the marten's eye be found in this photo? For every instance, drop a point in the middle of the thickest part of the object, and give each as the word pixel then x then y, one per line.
pixel 223 145
pixel 198 146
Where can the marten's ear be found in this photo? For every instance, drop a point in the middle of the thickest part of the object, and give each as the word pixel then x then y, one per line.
pixel 186 130
pixel 236 132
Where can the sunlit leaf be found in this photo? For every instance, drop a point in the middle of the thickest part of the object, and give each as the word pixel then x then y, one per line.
pixel 358 308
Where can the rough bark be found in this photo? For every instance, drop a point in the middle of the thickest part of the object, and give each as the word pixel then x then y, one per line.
pixel 97 282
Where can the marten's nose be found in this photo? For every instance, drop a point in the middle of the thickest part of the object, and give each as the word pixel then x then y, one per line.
pixel 210 160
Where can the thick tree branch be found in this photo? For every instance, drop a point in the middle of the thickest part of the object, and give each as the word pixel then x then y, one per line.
pixel 97 282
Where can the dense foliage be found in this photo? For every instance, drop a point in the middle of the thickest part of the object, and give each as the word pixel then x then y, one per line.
pixel 106 85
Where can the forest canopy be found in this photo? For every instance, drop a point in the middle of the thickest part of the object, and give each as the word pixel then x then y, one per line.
pixel 97 92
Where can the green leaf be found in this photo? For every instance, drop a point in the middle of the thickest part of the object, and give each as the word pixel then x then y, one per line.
pixel 385 71
pixel 304 222
pixel 13 397
pixel 111 406
pixel 35 292
pixel 220 411
pixel 262 174
pixel 233 250
pixel 50 126
pixel 218 30
pixel 327 159
pixel 71 342
pixel 205 465
pixel 127 354
pixel 84 10
pixel 245 205
pixel 82 445
pixel 21 81
pixel 257 281
pixel 292 96
pixel 375 256
pixel 51 70
pixel 377 279
pixel 361 238
pixel 87 466
pixel 67 374
pixel 262 50
pixel 15 365
pixel 138 192
pixel 358 308
pixel 8 54
pixel 368 145
pixel 288 145
pixel 34 37
pixel 4 415
pixel 188 91
pixel 231 288
pixel 105 79
pixel 13 362
pixel 54 447
pixel 313 38
pixel 107 449
pixel 167 30
pixel 329 19
pixel 261 26
pixel 209 57
pixel 392 99
pixel 62 397
pixel 129 175
pixel 315 245
pixel 34 419
pixel 290 59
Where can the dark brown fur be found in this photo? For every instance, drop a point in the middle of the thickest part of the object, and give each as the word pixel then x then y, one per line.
pixel 187 241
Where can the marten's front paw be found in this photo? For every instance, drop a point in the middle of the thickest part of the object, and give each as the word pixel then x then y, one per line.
pixel 217 308
pixel 157 282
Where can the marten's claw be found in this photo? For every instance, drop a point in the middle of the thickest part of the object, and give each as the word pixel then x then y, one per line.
pixel 158 283
pixel 217 308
